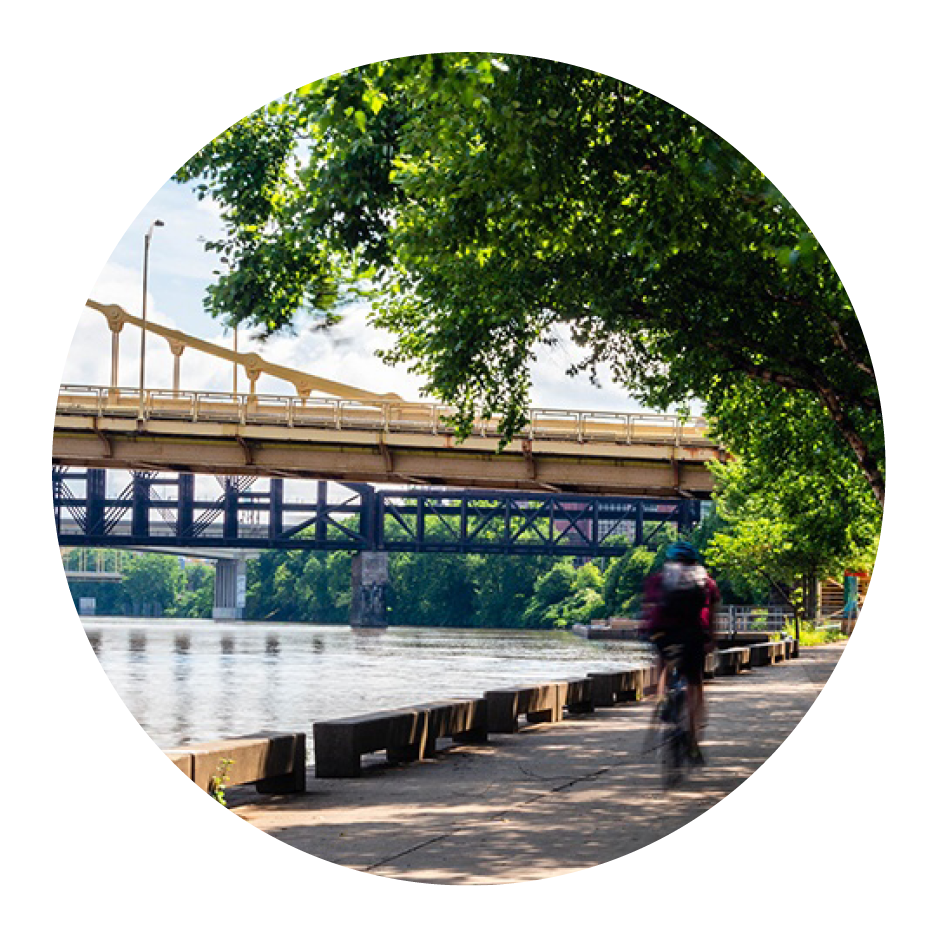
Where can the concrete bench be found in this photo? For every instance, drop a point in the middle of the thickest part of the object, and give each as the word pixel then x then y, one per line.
pixel 539 703
pixel 612 687
pixel 275 763
pixel 731 660
pixel 182 759
pixel 778 651
pixel 760 655
pixel 338 745
pixel 650 680
pixel 406 735
pixel 577 695
pixel 461 719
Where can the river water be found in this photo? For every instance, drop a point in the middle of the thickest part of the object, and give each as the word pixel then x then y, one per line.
pixel 190 680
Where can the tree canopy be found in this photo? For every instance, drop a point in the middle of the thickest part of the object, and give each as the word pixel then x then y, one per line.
pixel 483 201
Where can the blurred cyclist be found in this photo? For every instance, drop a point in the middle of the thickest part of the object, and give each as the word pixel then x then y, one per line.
pixel 680 609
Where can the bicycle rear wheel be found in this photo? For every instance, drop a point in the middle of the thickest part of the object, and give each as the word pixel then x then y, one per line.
pixel 673 756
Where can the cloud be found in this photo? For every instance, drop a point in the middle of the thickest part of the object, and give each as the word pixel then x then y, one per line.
pixel 346 353
pixel 180 270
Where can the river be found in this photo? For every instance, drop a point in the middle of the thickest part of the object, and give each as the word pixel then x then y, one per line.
pixel 187 680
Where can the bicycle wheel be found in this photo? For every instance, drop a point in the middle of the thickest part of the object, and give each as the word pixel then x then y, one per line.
pixel 673 753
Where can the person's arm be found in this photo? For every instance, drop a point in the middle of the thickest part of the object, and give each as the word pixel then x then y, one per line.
pixel 713 607
pixel 650 607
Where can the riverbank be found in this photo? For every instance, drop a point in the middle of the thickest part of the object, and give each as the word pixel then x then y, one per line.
pixel 550 800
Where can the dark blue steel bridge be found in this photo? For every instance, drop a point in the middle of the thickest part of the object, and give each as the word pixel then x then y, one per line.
pixel 161 510
pixel 171 512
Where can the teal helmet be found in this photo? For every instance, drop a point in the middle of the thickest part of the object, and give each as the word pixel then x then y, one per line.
pixel 683 552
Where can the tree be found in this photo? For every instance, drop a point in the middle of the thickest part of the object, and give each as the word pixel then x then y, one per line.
pixel 432 589
pixel 151 581
pixel 625 581
pixel 299 586
pixel 486 201
pixel 196 598
pixel 504 586
pixel 789 530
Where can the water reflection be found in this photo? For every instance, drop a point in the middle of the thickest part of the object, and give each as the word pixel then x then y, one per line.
pixel 94 639
pixel 182 695
pixel 191 681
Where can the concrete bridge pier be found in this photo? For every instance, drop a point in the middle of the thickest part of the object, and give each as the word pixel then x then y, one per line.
pixel 370 581
pixel 231 580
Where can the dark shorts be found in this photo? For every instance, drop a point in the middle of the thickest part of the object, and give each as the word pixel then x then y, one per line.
pixel 692 653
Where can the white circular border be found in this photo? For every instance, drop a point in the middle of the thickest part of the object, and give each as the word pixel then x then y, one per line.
pixel 105 103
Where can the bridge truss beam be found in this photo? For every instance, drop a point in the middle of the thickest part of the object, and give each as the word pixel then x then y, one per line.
pixel 161 510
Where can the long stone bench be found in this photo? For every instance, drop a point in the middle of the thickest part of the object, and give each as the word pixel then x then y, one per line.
pixel 538 703
pixel 612 687
pixel 338 745
pixel 405 735
pixel 275 763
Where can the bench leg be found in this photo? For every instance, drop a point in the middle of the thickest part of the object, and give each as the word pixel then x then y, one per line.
pixel 281 785
pixel 478 735
pixel 502 714
pixel 335 756
pixel 291 782
pixel 542 716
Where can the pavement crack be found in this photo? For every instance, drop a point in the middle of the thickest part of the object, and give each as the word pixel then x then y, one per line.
pixel 413 849
pixel 453 832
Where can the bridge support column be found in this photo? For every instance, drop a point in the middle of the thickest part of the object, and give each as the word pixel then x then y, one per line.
pixel 370 581
pixel 231 578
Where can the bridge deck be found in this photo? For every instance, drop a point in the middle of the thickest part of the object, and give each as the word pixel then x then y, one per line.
pixel 379 441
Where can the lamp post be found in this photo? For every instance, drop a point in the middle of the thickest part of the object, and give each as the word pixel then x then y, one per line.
pixel 157 223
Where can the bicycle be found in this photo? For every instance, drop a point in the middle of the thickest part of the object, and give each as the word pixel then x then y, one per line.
pixel 670 730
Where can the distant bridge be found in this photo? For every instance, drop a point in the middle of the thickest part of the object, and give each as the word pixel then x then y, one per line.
pixel 91 565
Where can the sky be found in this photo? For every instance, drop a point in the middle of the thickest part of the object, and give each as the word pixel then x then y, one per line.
pixel 179 272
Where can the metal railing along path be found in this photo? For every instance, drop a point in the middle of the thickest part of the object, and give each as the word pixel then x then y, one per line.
pixel 753 618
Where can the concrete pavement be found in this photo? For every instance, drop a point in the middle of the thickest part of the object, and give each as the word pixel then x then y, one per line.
pixel 552 799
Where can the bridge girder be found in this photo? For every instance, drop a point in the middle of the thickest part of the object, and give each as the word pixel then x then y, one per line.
pixel 145 515
pixel 638 469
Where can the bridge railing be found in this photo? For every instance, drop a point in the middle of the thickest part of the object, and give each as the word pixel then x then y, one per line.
pixel 753 618
pixel 388 416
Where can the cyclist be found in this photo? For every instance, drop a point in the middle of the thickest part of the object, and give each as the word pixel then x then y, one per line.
pixel 680 610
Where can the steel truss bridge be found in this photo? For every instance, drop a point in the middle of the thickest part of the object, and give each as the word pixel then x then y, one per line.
pixel 161 510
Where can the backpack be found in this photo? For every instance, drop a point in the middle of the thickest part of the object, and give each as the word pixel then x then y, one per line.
pixel 683 591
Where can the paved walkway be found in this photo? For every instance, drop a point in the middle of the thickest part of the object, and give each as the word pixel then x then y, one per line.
pixel 550 800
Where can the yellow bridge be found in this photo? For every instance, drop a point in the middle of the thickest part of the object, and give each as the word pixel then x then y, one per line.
pixel 329 430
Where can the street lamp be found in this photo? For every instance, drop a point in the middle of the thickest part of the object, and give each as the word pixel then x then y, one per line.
pixel 157 223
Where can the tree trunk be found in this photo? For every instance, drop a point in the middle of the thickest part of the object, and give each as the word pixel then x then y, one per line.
pixel 865 458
